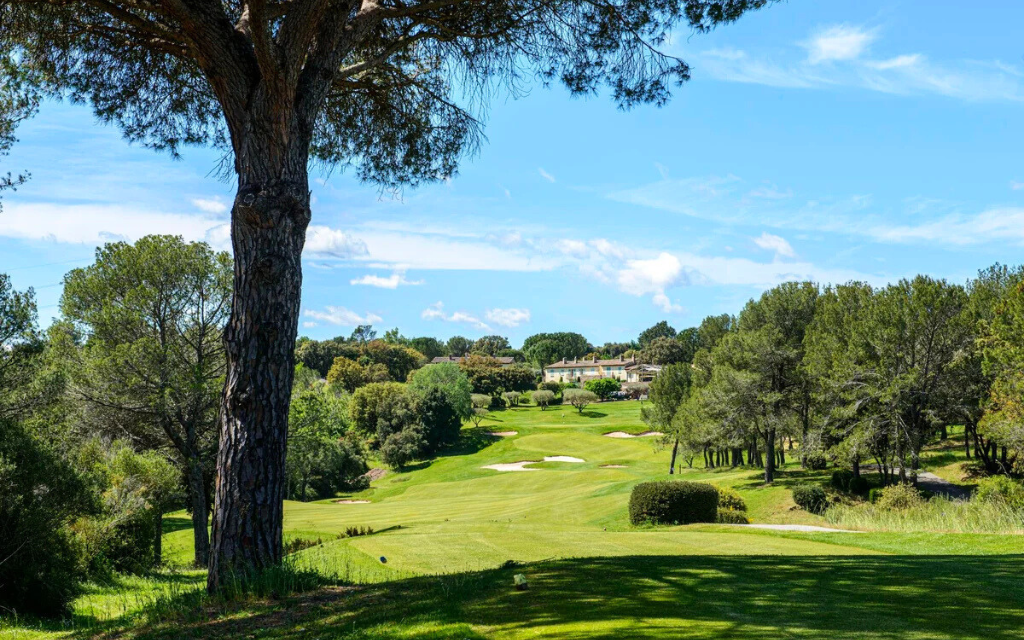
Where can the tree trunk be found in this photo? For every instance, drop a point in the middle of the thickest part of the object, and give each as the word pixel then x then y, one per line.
pixel 200 512
pixel 856 468
pixel 158 536
pixel 967 440
pixel 769 457
pixel 269 220
pixel 672 463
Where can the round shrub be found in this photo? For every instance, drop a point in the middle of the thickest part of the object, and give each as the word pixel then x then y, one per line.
pixel 669 502
pixel 815 461
pixel 810 497
pixel 732 516
pixel 729 499
pixel 841 479
pixel 899 497
pixel 1001 490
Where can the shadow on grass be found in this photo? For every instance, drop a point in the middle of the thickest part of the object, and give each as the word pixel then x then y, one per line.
pixel 652 597
pixel 175 523
pixel 594 414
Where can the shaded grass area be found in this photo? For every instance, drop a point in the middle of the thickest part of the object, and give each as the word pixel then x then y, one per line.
pixel 651 597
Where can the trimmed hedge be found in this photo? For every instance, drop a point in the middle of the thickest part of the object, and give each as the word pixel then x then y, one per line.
pixel 732 516
pixel 729 499
pixel 810 497
pixel 673 502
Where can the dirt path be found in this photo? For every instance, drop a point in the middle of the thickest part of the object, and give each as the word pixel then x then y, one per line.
pixel 930 482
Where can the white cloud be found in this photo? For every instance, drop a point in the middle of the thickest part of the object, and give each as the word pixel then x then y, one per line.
pixel 391 282
pixel 653 276
pixel 436 312
pixel 210 205
pixel 99 223
pixel 991 225
pixel 777 244
pixel 342 317
pixel 1016 186
pixel 508 317
pixel 401 249
pixel 544 174
pixel 844 50
pixel 328 242
pixel 838 42
pixel 309 324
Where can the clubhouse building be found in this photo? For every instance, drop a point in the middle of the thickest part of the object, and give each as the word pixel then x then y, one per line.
pixel 577 370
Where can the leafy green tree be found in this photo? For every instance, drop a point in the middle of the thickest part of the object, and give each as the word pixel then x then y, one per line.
pixel 458 346
pixel 402 447
pixel 347 374
pixel 394 336
pixel 511 398
pixel 689 339
pixel 667 392
pixel 579 398
pixel 440 421
pixel 603 388
pixel 664 350
pixel 152 367
pixel 1003 364
pixel 713 328
pixel 660 330
pixel 490 345
pixel 481 407
pixel 378 86
pixel 430 347
pixel 319 355
pixel 399 360
pixel 20 350
pixel 304 378
pixel 614 349
pixel 363 335
pixel 449 379
pixel 757 380
pixel 321 459
pixel 381 409
pixel 544 348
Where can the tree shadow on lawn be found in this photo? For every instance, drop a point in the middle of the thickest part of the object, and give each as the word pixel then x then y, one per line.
pixel 660 597
pixel 170 524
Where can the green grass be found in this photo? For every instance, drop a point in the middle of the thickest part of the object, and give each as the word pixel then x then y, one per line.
pixel 444 527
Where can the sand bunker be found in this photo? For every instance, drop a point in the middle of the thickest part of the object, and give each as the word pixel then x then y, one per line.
pixel 503 434
pixel 521 465
pixel 623 434
pixel 351 502
pixel 511 466
pixel 613 466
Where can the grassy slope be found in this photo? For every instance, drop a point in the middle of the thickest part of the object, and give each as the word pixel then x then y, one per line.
pixel 613 580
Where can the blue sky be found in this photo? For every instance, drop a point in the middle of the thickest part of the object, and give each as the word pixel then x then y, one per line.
pixel 826 140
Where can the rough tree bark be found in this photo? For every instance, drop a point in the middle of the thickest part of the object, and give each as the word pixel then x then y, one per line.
pixel 269 219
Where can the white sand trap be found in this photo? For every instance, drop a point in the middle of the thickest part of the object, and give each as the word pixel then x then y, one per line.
pixel 503 434
pixel 623 434
pixel 613 466
pixel 511 466
pixel 796 527
pixel 521 465
pixel 351 502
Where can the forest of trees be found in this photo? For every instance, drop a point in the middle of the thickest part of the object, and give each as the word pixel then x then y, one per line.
pixel 854 375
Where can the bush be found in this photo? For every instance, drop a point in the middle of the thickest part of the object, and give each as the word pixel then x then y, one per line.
pixel 899 497
pixel 732 516
pixel 673 502
pixel 39 495
pixel 381 409
pixel 554 387
pixel 815 461
pixel 810 497
pixel 603 387
pixel 874 494
pixel 401 448
pixel 841 479
pixel 1000 489
pixel 729 499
